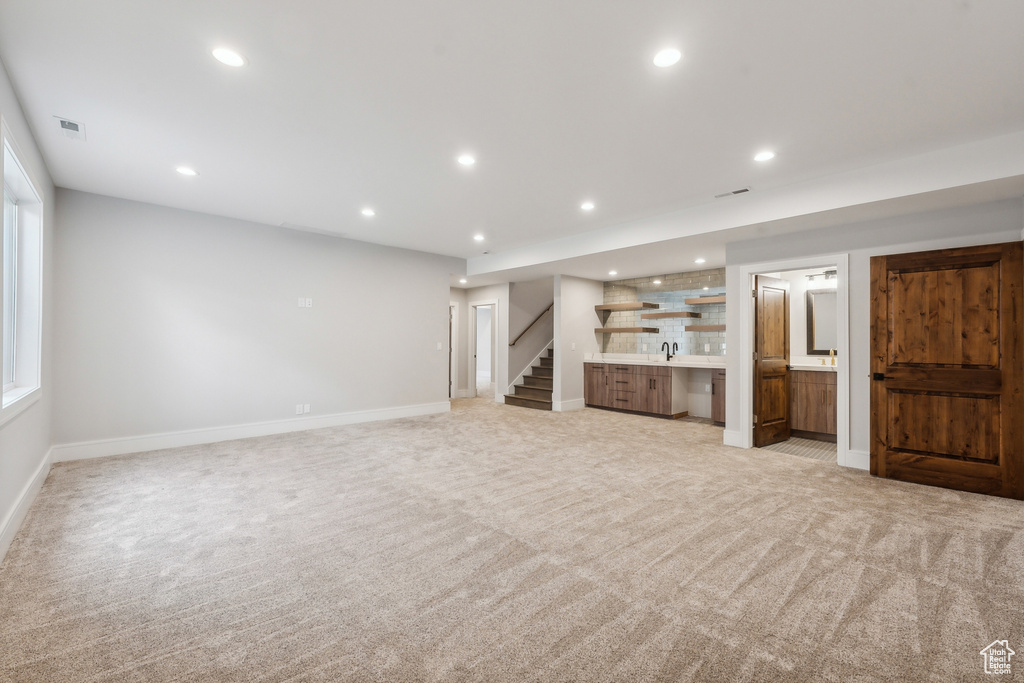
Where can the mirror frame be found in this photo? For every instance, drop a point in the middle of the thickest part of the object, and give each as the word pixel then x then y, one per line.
pixel 809 303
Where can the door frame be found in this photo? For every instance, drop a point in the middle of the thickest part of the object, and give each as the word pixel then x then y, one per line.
pixel 453 349
pixel 473 305
pixel 743 433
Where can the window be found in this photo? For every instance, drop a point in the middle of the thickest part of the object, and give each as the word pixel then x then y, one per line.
pixel 10 265
pixel 21 303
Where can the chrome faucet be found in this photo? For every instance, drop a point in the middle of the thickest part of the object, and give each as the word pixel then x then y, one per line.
pixel 668 355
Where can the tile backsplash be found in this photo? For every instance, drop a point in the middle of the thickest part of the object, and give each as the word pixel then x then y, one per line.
pixel 670 295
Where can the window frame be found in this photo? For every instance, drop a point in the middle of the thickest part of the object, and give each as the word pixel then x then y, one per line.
pixel 26 350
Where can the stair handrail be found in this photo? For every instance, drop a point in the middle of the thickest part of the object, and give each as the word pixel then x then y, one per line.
pixel 535 321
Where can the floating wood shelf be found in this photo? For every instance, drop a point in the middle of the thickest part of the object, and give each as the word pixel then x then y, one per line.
pixel 704 328
pixel 706 300
pixel 631 306
pixel 669 314
pixel 626 330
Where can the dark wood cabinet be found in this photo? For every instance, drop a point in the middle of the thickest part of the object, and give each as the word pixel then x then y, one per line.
pixel 718 397
pixel 655 390
pixel 812 404
pixel 634 388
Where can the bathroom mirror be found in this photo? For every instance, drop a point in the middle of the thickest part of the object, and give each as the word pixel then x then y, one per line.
pixel 822 321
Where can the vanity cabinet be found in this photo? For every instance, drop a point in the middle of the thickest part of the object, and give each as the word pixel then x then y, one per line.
pixel 635 388
pixel 812 404
pixel 718 396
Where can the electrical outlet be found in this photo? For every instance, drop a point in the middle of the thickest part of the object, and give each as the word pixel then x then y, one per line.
pixel 573 346
pixel 309 303
pixel 305 408
pixel 707 388
pixel 298 409
pixel 439 348
pixel 707 348
pixel 645 348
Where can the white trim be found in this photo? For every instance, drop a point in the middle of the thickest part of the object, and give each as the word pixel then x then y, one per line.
pixel 453 376
pixel 16 400
pixel 860 460
pixel 152 442
pixel 566 406
pixel 16 515
pixel 462 393
pixel 746 349
pixel 731 437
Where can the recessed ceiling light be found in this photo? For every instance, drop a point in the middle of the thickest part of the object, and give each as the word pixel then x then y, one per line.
pixel 587 206
pixel 467 160
pixel 698 261
pixel 766 155
pixel 368 212
pixel 613 272
pixel 657 282
pixel 229 57
pixel 462 281
pixel 478 238
pixel 667 57
pixel 185 170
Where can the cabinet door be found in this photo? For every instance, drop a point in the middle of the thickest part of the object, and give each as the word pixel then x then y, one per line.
pixel 718 396
pixel 830 413
pixel 595 385
pixel 809 403
pixel 655 392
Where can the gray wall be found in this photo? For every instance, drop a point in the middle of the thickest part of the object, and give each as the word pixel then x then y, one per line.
pixel 171 321
pixel 575 299
pixel 989 223
pixel 25 438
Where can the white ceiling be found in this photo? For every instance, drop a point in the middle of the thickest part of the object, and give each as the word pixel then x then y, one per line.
pixel 350 104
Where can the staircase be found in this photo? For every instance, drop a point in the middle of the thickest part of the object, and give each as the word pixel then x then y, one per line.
pixel 535 391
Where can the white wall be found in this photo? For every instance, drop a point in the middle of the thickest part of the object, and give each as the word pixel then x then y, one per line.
pixel 798 286
pixel 575 321
pixel 989 223
pixel 169 321
pixel 25 438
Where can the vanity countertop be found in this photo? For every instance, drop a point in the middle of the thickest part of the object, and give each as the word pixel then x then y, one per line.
pixel 813 368
pixel 717 362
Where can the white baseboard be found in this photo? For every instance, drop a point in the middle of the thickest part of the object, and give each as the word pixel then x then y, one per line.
pixel 860 460
pixel 152 442
pixel 16 515
pixel 566 406
pixel 734 438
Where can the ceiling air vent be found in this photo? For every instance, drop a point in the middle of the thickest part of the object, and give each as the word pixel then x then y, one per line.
pixel 71 129
pixel 734 192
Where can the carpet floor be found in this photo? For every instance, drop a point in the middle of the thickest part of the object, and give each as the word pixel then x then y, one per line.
pixel 496 543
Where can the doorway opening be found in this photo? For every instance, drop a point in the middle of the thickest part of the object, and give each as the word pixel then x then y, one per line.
pixel 482 373
pixel 794 358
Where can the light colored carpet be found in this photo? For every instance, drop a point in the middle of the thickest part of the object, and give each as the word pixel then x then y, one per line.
pixel 504 544
pixel 805 448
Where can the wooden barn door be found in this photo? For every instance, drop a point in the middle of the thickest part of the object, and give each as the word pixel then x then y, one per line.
pixel 947 368
pixel 771 360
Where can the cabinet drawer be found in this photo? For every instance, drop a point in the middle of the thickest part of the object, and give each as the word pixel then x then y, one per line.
pixel 655 370
pixel 620 382
pixel 622 369
pixel 624 400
